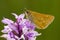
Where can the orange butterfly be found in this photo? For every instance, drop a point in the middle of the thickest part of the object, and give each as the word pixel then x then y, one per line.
pixel 40 20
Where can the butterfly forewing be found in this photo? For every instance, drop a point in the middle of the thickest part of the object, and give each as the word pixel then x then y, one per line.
pixel 40 20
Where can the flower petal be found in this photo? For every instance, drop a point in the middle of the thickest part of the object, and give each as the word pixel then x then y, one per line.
pixel 29 25
pixel 21 16
pixel 4 35
pixel 25 29
pixel 6 29
pixel 7 21
pixel 32 33
pixel 32 38
pixel 22 37
pixel 13 27
pixel 7 37
pixel 16 16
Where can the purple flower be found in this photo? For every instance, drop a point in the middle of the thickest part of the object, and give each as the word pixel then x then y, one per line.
pixel 22 29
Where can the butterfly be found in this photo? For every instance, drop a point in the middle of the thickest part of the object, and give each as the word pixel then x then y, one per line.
pixel 42 21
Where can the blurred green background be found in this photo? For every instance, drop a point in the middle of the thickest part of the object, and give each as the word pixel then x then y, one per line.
pixel 43 6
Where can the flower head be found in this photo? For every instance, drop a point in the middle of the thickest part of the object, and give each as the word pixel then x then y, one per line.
pixel 22 29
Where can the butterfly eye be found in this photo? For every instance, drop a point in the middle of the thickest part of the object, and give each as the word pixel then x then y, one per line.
pixel 27 12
